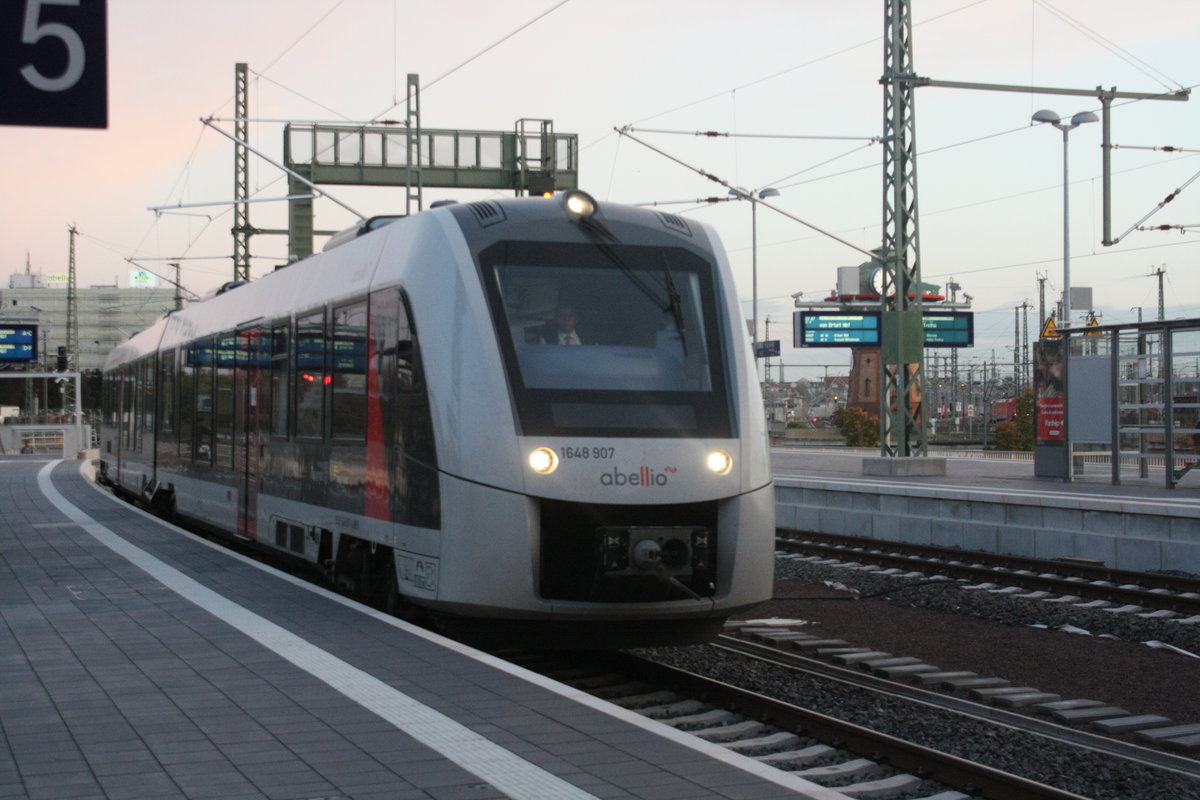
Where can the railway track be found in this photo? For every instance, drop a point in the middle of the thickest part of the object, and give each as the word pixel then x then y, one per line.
pixel 851 759
pixel 855 760
pixel 1140 591
pixel 993 699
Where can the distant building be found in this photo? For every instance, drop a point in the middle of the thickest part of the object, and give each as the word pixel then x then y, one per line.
pixel 105 316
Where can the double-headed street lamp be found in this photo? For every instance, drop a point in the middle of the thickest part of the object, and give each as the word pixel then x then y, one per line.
pixel 1048 116
pixel 754 197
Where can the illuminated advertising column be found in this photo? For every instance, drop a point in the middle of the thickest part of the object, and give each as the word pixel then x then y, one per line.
pixel 1049 410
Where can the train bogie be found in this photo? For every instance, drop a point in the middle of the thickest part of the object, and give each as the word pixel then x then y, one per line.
pixel 401 413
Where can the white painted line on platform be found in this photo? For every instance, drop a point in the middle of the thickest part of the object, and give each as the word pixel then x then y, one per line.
pixel 499 756
pixel 500 768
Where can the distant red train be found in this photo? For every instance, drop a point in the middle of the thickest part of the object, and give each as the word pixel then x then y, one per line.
pixel 1003 409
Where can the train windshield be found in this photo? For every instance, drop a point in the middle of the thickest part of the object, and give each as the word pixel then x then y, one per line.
pixel 609 340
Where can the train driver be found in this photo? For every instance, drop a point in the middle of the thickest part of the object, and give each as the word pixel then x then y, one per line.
pixel 561 329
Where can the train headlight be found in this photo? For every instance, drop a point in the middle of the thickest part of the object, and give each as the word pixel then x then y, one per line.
pixel 720 462
pixel 580 204
pixel 543 461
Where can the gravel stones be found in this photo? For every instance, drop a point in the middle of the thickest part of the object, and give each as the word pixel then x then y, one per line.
pixel 1091 775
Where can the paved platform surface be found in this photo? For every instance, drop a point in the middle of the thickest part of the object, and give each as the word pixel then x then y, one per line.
pixel 996 506
pixel 986 474
pixel 137 661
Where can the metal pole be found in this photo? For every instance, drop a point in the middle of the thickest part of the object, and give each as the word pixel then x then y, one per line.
pixel 1106 163
pixel 1016 349
pixel 1162 308
pixel 79 407
pixel 1066 314
pixel 754 275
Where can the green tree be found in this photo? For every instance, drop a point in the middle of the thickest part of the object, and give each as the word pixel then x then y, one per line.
pixel 858 428
pixel 1017 433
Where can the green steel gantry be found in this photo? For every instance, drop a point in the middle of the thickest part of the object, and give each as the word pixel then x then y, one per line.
pixel 530 158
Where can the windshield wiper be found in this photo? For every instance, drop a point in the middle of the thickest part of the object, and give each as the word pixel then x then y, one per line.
pixel 674 304
pixel 598 231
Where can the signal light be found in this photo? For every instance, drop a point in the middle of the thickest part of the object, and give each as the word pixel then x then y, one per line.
pixel 541 185
pixel 60 363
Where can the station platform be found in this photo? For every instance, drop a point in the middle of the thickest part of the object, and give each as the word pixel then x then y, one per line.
pixel 992 505
pixel 138 661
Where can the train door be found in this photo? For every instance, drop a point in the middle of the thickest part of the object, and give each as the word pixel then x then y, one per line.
pixel 252 367
pixel 122 397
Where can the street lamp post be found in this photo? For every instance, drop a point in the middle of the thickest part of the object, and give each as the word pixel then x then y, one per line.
pixel 1048 116
pixel 754 197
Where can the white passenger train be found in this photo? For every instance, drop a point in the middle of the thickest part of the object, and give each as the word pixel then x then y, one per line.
pixel 397 411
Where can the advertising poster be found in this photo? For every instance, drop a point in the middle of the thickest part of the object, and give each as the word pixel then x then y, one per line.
pixel 1048 383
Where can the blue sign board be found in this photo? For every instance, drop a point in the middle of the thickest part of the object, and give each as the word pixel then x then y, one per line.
pixel 949 328
pixel 836 328
pixel 18 344
pixel 862 328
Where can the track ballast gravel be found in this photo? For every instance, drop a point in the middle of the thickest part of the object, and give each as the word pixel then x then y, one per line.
pixel 987 633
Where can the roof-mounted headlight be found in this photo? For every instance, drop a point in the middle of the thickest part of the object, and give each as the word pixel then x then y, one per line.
pixel 580 203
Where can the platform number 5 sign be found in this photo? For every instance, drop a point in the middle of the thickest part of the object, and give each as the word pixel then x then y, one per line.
pixel 53 63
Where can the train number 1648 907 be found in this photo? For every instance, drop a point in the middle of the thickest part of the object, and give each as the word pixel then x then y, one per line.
pixel 598 453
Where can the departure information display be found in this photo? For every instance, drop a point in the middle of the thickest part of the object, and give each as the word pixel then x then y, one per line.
pixel 836 329
pixel 949 329
pixel 18 344
pixel 862 328
pixel 767 349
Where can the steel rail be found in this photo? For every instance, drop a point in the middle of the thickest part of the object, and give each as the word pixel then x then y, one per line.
pixel 1156 591
pixel 857 678
pixel 941 767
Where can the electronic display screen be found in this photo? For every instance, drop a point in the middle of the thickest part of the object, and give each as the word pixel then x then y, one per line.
pixel 949 329
pixel 18 344
pixel 862 328
pixel 836 328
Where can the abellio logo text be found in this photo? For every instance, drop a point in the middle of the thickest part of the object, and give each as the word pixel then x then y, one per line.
pixel 645 476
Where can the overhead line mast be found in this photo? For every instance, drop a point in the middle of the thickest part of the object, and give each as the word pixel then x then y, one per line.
pixel 241 176
pixel 902 430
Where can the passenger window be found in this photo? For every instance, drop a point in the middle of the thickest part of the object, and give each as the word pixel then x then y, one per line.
pixel 205 356
pixel 166 394
pixel 310 375
pixel 226 359
pixel 187 402
pixel 280 337
pixel 349 379
pixel 147 404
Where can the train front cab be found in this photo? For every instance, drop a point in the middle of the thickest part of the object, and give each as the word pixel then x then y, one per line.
pixel 650 491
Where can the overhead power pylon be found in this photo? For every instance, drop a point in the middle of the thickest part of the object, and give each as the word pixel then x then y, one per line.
pixel 241 176
pixel 902 431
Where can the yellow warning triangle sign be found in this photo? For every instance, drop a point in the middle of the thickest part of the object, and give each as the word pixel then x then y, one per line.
pixel 1049 329
pixel 1093 323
